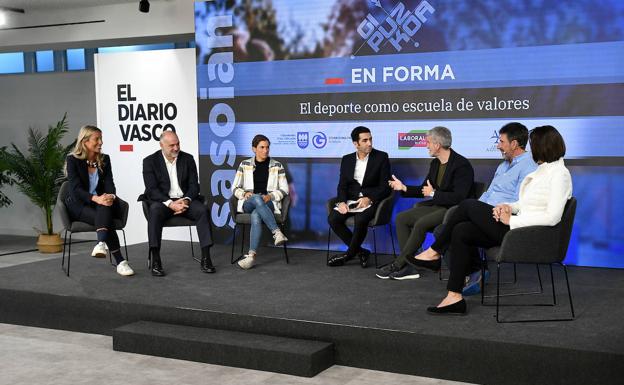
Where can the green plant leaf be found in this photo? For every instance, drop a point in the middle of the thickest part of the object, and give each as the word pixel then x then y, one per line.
pixel 38 173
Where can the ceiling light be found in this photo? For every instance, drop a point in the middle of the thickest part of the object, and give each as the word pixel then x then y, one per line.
pixel 2 18
pixel 144 6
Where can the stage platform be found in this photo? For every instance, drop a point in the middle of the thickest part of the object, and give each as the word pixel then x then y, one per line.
pixel 372 323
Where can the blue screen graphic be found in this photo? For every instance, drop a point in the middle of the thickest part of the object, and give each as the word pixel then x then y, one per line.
pixel 305 73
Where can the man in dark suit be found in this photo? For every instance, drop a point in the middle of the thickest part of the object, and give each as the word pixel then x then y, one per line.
pixel 172 188
pixel 363 184
pixel 449 181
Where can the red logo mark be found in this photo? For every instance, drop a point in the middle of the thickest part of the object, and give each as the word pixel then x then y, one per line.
pixel 334 81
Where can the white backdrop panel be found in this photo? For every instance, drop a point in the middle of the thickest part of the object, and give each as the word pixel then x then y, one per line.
pixel 138 94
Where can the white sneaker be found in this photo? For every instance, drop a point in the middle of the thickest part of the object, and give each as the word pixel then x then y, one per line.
pixel 279 238
pixel 247 262
pixel 100 250
pixel 123 268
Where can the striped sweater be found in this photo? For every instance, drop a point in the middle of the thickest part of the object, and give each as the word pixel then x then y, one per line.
pixel 277 186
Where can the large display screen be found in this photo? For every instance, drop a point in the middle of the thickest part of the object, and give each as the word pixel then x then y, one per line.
pixel 305 73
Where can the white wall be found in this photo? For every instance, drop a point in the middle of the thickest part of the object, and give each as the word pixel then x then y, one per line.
pixel 171 20
pixel 39 100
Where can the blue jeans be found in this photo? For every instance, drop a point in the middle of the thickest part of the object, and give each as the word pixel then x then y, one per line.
pixel 260 212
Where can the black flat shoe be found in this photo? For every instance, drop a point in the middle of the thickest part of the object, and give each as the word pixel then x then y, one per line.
pixel 434 265
pixel 457 308
pixel 338 260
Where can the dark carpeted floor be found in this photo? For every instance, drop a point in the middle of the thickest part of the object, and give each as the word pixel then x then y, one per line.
pixel 308 290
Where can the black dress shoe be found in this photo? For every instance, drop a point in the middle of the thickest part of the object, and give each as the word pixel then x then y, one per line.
pixel 157 270
pixel 434 265
pixel 457 308
pixel 338 260
pixel 206 265
pixel 363 255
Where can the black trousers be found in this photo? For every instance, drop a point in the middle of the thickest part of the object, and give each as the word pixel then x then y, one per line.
pixel 470 226
pixel 352 239
pixel 102 218
pixel 197 211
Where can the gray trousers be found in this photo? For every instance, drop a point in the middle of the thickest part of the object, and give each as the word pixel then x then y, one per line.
pixel 412 226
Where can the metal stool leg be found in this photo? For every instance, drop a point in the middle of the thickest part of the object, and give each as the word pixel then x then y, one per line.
pixel 328 241
pixel 69 253
pixel 125 245
pixel 375 246
pixel 243 241
pixel 552 281
pixel 392 240
pixel 64 244
pixel 565 270
pixel 192 248
pixel 233 244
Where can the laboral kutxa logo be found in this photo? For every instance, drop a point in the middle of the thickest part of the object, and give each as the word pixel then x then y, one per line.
pixel 414 138
pixel 397 28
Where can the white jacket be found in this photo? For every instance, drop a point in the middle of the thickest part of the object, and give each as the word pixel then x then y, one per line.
pixel 277 185
pixel 543 195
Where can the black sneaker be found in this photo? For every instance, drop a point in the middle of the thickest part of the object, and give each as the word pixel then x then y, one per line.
pixel 385 271
pixel 407 272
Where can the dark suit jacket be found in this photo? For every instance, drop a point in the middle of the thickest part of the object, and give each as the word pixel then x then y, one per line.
pixel 78 178
pixel 156 177
pixel 457 183
pixel 375 182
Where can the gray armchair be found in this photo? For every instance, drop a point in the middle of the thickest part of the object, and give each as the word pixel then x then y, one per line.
pixel 382 217
pixel 81 227
pixel 244 219
pixel 536 245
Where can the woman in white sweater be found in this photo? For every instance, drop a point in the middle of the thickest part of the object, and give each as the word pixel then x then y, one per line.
pixel 543 195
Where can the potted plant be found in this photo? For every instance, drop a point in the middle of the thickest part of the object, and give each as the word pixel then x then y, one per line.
pixel 38 174
pixel 4 179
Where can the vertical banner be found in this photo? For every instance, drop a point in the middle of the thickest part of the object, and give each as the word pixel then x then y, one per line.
pixel 140 94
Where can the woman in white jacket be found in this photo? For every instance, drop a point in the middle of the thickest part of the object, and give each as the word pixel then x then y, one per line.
pixel 260 185
pixel 542 199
